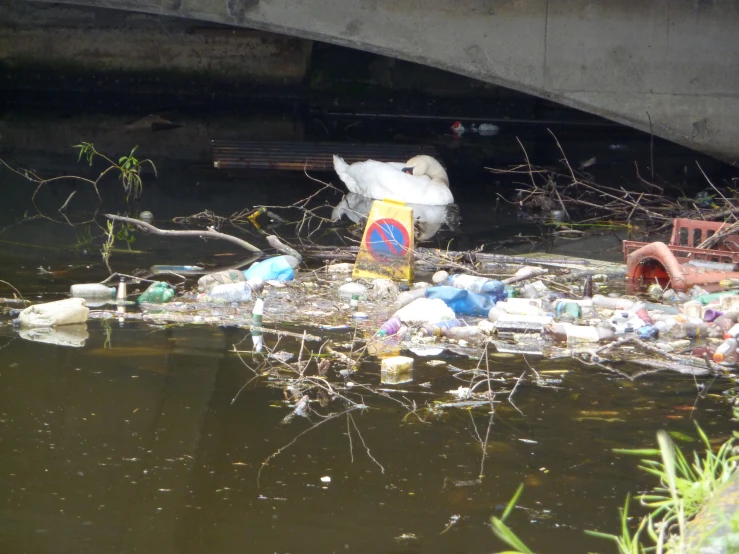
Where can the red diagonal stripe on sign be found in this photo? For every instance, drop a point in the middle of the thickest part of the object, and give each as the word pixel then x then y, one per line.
pixel 384 238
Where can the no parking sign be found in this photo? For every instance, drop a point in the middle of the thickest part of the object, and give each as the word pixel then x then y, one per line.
pixel 386 238
pixel 387 245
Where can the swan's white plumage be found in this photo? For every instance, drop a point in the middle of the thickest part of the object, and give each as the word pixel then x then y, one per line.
pixel 428 185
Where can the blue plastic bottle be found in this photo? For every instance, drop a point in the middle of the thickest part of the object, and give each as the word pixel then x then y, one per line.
pixel 463 301
pixel 479 285
pixel 279 268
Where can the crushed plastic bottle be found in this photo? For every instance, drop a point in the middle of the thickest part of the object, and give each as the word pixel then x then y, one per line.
pixel 480 285
pixel 158 292
pixel 577 334
pixel 463 301
pixel 279 268
pixel 236 292
pixel 207 282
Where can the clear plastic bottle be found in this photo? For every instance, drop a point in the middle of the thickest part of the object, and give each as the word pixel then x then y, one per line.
pixel 92 291
pixel 726 352
pixel 600 301
pixel 405 298
pixel 233 292
pixel 469 333
pixel 522 306
pixel 479 285
pixel 437 329
pixel 576 334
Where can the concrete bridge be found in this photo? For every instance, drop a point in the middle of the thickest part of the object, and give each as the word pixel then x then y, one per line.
pixel 665 66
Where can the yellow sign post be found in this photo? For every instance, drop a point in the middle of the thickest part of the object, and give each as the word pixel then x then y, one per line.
pixel 387 245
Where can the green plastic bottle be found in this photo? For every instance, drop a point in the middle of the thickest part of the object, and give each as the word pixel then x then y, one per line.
pixel 158 292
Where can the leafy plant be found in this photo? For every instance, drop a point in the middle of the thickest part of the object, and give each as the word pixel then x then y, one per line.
pixel 504 533
pixel 626 542
pixel 129 167
pixel 126 234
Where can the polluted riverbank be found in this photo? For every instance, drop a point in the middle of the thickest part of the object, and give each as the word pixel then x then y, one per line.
pixel 172 414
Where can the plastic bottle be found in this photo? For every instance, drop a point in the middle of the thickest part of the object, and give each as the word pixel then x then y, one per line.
pixel 121 293
pixel 733 332
pixel 437 329
pixel 576 334
pixel 726 352
pixel 725 321
pixel 405 298
pixel 569 308
pixel 510 323
pixel 207 282
pixel 587 289
pixel 534 290
pixel 706 299
pixel 234 292
pixel 463 301
pixel 279 268
pixel 95 291
pixel 470 333
pixel 479 285
pixel 158 292
pixel 390 327
pixel 354 304
pixel 600 301
pixel 257 314
pixel 522 306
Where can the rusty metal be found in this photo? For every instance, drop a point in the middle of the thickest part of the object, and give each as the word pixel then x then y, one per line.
pixel 671 262
pixel 310 156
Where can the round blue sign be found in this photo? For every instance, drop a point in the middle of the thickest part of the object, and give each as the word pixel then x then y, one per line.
pixel 387 238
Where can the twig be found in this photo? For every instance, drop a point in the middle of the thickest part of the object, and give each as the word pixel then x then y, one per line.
pixel 172 233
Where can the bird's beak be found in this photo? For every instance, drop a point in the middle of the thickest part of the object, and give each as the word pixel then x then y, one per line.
pixel 408 170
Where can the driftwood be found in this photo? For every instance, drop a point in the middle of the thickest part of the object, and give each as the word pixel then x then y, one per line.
pixel 172 233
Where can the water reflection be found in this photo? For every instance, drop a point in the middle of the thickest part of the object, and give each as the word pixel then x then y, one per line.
pixel 67 335
pixel 429 219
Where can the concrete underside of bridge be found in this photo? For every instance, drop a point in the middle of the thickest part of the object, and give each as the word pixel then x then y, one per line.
pixel 662 66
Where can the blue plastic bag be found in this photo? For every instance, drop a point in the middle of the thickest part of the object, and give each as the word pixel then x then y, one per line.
pixel 278 268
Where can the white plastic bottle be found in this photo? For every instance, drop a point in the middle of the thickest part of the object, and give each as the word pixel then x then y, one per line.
pixel 92 291
pixel 726 352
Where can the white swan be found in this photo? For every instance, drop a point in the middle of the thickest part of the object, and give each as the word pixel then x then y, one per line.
pixel 428 219
pixel 421 180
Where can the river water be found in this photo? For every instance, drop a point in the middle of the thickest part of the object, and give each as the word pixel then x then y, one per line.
pixel 146 440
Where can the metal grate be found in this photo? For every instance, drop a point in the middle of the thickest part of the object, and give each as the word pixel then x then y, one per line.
pixel 313 156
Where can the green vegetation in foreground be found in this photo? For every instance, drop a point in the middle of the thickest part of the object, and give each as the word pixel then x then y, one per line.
pixel 684 488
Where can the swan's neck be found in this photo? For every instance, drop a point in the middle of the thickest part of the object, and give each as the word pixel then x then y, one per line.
pixel 438 174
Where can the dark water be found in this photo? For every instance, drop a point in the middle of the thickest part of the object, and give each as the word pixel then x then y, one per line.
pixel 135 443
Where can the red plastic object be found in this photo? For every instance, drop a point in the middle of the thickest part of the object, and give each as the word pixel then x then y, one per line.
pixel 668 263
